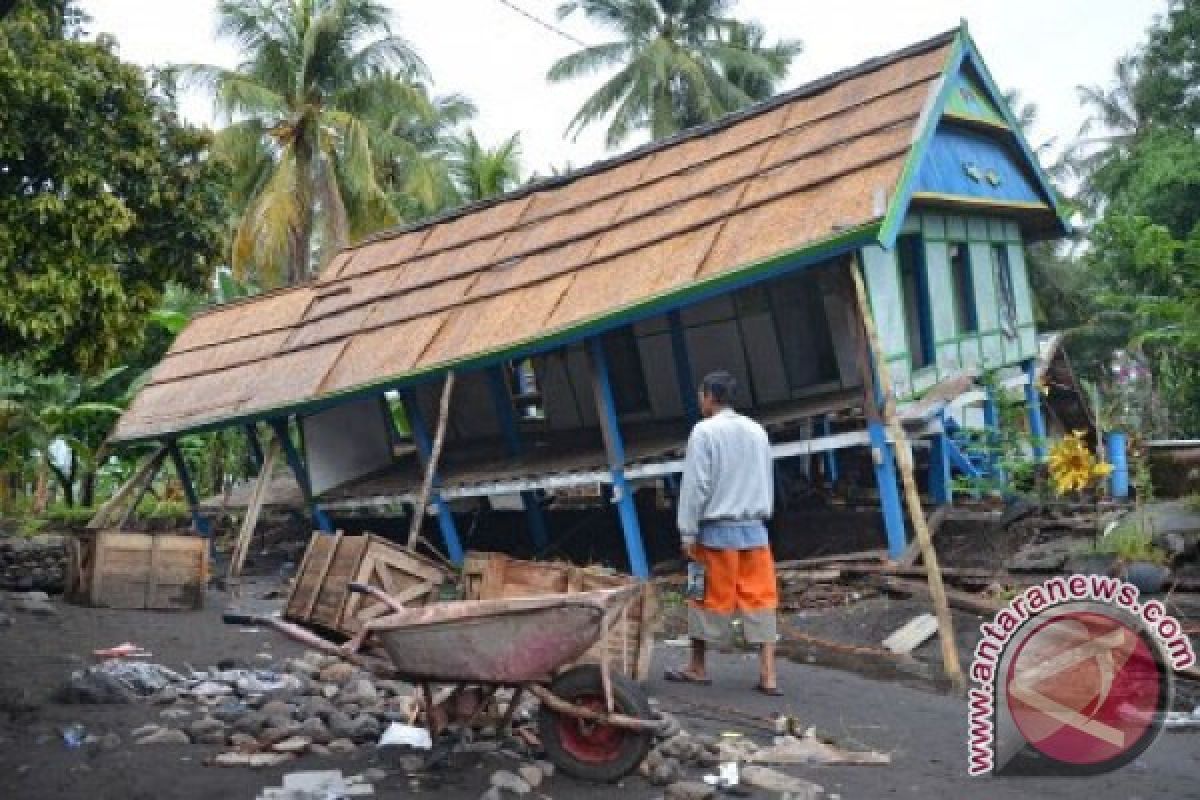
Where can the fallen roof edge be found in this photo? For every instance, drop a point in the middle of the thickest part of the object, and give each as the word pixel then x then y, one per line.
pixel 840 242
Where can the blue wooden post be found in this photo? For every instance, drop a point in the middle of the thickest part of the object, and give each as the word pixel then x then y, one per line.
pixel 889 492
pixel 940 487
pixel 320 518
pixel 683 367
pixel 189 489
pixel 825 428
pixel 606 410
pixel 502 399
pixel 1033 409
pixel 1116 443
pixel 424 443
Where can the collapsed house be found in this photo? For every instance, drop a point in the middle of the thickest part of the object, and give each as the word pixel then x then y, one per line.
pixel 578 313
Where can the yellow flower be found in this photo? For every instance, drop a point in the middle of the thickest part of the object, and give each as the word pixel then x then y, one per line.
pixel 1072 465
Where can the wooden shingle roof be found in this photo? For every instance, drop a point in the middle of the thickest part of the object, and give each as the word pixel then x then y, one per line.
pixel 557 257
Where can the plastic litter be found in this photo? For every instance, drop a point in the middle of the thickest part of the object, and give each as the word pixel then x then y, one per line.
pixel 125 650
pixel 73 735
pixel 398 735
pixel 727 775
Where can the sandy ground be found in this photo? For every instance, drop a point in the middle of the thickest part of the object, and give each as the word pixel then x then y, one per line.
pixel 923 729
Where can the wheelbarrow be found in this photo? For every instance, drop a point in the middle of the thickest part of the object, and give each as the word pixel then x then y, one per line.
pixel 593 724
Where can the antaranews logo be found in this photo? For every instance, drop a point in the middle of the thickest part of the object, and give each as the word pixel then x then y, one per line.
pixel 1073 677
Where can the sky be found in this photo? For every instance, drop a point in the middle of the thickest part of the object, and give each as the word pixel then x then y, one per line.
pixel 484 49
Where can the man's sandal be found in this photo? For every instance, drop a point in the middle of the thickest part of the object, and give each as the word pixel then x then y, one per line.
pixel 683 676
pixel 769 691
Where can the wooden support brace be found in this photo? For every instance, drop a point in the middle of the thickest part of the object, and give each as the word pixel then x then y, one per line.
pixel 937 589
pixel 133 488
pixel 432 458
pixel 257 498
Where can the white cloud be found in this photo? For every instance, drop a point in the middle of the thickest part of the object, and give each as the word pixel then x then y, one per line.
pixel 1044 48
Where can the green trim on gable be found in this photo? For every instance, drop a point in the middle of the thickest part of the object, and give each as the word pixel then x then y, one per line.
pixel 969 101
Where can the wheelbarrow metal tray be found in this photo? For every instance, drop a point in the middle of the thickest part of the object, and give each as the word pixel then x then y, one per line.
pixel 506 642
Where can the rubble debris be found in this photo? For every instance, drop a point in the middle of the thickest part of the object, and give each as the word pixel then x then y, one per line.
pixel 690 790
pixel 507 781
pixel 165 736
pixel 912 634
pixel 770 780
pixel 808 749
pixel 37 564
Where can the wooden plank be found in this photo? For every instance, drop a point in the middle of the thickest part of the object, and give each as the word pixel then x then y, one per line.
pixel 257 498
pixel 303 583
pixel 319 578
pixel 966 601
pixel 98 568
pixel 152 573
pixel 141 477
pixel 435 455
pixel 914 547
pixel 838 558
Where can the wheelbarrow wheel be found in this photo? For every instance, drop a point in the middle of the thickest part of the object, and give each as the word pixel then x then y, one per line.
pixel 588 750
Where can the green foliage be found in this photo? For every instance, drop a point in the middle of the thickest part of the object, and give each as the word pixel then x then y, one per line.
pixel 480 172
pixel 679 63
pixel 1132 541
pixel 104 197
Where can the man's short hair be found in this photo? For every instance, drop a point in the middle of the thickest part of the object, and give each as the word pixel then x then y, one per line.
pixel 720 386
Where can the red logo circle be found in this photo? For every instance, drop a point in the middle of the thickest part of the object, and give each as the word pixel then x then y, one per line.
pixel 1086 689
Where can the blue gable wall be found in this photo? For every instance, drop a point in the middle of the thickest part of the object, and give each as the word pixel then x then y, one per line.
pixel 968 164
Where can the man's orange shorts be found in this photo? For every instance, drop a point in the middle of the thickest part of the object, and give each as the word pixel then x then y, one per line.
pixel 736 583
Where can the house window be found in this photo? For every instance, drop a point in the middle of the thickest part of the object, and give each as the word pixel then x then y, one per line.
pixel 962 286
pixel 1005 295
pixel 625 372
pixel 917 319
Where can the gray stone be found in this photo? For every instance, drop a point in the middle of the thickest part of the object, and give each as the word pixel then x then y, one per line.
pixel 547 768
pixel 271 736
pixel 492 793
pixel 316 730
pixel 367 728
pixel 205 725
pixel 509 782
pixel 229 713
pixel 145 730
pixel 315 706
pixel 341 725
pixel 94 687
pixel 166 696
pixel 690 790
pixel 251 722
pixel 668 771
pixel 374 775
pixel 110 741
pixel 394 688
pixel 166 736
pixel 319 749
pixel 531 775
pixel 212 737
pixel 329 690
pixel 277 708
pixel 299 666
pixel 175 713
pixel 342 746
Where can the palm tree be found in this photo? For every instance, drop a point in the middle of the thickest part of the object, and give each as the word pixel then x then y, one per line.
pixel 480 172
pixel 304 136
pixel 1108 135
pixel 679 63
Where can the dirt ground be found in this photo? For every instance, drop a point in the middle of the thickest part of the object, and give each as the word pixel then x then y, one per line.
pixel 923 729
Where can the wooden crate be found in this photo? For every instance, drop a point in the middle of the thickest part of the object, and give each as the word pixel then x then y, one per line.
pixel 321 594
pixel 118 569
pixel 491 576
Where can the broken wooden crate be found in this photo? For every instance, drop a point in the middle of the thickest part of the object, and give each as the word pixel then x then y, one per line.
pixel 119 569
pixel 321 595
pixel 493 576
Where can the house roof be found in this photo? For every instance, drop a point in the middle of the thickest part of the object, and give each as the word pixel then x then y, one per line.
pixel 805 170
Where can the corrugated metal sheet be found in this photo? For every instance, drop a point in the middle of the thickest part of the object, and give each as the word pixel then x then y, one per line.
pixel 766 183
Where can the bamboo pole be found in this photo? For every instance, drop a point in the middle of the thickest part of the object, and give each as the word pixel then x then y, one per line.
pixel 904 461
pixel 435 455
pixel 253 509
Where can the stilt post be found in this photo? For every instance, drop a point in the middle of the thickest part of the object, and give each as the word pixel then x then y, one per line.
pixel 300 470
pixel 502 399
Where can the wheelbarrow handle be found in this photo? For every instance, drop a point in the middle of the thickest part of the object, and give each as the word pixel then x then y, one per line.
pixel 240 618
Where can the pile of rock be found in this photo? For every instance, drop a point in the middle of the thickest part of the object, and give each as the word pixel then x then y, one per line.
pixel 39 563
pixel 316 704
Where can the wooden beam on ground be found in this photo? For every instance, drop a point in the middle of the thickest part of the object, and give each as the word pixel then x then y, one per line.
pixel 253 509
pixel 965 601
pixel 839 558
pixel 142 476
pixel 904 461
pixel 934 521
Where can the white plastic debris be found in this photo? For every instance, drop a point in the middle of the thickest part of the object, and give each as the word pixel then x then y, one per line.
pixel 398 735
pixel 727 775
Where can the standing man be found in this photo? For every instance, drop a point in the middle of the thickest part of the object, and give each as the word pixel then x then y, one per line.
pixel 726 498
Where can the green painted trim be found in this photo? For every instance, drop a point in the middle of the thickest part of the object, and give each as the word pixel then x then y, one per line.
pixel 905 356
pixel 898 208
pixel 697 291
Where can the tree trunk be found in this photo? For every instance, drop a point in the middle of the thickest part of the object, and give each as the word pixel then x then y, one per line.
pixel 89 489
pixel 41 490
pixel 301 249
